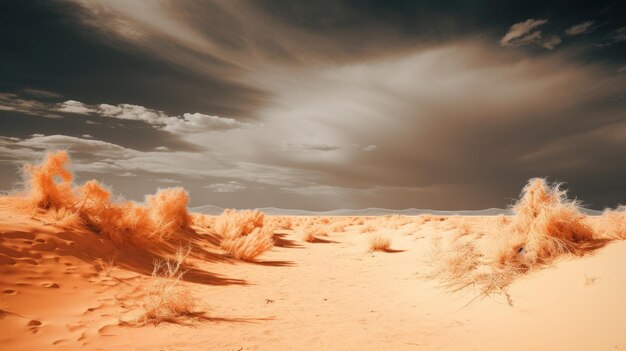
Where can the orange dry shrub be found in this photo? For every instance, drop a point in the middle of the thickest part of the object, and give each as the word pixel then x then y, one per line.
pixel 91 205
pixel 393 221
pixel 546 224
pixel 244 237
pixel 311 231
pixel 42 189
pixel 166 300
pixel 613 222
pixel 378 242
pixel 165 214
pixel 202 220
pixel 279 222
pixel 168 211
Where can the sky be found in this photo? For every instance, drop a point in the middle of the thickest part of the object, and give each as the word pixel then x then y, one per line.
pixel 320 105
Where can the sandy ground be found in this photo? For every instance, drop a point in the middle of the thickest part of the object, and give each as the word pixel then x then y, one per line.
pixel 66 289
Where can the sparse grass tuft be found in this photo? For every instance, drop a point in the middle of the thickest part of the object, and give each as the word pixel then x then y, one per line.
pixel 379 242
pixel 244 237
pixel 166 300
pixel 49 188
pixel 546 225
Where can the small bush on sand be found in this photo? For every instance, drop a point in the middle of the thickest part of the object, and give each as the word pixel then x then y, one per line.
pixel 244 237
pixel 166 300
pixel 312 231
pixel 613 222
pixel 233 223
pixel 308 236
pixel 168 211
pixel 368 228
pixel 379 242
pixel 49 187
pixel 546 225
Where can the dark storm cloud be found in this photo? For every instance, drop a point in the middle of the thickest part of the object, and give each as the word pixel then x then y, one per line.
pixel 319 105
pixel 44 46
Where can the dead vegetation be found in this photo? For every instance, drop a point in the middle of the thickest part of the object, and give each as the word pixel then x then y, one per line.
pixel 546 226
pixel 165 299
pixel 244 235
pixel 379 242
pixel 49 189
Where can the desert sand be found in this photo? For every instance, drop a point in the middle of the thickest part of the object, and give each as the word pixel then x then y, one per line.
pixel 310 283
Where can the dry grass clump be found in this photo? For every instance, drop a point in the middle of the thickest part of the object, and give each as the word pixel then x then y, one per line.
pixel 311 232
pixel 279 222
pixel 546 225
pixel 244 237
pixel 42 189
pixel 613 222
pixel 368 228
pixel 463 265
pixel 379 242
pixel 168 211
pixel 202 220
pixel 49 187
pixel 393 221
pixel 309 236
pixel 166 300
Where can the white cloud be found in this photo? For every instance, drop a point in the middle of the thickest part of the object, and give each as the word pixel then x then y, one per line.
pixel 12 102
pixel 520 33
pixel 581 28
pixel 167 181
pixel 198 122
pixel 315 146
pixel 185 124
pixel 370 148
pixel 39 93
pixel 551 42
pixel 77 145
pixel 230 187
pixel 73 106
pixel 132 112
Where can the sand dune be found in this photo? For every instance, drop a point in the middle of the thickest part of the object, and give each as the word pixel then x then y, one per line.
pixel 547 277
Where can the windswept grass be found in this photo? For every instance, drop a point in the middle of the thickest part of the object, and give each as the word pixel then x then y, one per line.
pixel 244 235
pixel 546 225
pixel 379 242
pixel 165 299
pixel 49 187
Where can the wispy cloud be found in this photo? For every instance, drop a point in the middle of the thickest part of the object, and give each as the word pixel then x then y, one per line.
pixel 230 187
pixel 522 33
pixel 14 102
pixel 184 124
pixel 370 148
pixel 319 146
pixel 73 106
pixel 581 28
pixel 551 42
pixel 40 93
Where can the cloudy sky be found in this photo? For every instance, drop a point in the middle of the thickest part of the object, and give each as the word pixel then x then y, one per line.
pixel 320 104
